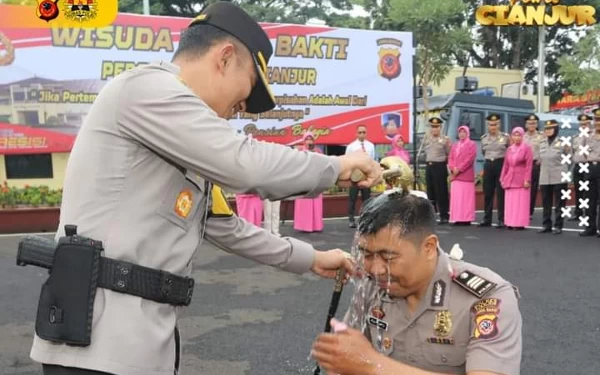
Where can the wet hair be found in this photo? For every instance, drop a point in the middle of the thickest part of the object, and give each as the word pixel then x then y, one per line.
pixel 412 215
pixel 195 41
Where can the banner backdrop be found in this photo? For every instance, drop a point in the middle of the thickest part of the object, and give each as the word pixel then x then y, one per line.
pixel 325 80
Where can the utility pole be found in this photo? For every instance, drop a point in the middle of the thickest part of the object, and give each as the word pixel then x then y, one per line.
pixel 541 67
pixel 146 7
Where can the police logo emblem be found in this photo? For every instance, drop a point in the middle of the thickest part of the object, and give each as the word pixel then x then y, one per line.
pixel 386 343
pixel 443 323
pixel 183 204
pixel 389 66
pixel 81 10
pixel 378 313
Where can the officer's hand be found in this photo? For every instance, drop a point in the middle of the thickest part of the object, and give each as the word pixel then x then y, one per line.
pixel 347 352
pixel 326 263
pixel 361 161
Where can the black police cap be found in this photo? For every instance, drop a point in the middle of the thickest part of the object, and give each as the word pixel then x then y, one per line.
pixel 583 117
pixel 550 124
pixel 435 121
pixel 235 21
pixel 493 117
pixel 596 113
pixel 532 117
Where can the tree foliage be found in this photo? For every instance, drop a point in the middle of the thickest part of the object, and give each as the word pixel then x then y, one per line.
pixel 440 38
pixel 580 71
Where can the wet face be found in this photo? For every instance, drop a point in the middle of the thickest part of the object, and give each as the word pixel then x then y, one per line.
pixel 399 143
pixel 531 126
pixel 549 132
pixel 397 263
pixel 516 138
pixel 435 130
pixel 235 78
pixel 361 133
pixel 597 124
pixel 462 134
pixel 584 124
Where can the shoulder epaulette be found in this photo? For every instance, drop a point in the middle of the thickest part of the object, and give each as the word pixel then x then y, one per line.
pixel 476 285
pixel 483 136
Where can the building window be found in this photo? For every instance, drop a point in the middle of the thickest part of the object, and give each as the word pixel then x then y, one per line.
pixel 28 166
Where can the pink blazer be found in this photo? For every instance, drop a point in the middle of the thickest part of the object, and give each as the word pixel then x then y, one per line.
pixel 463 157
pixel 516 169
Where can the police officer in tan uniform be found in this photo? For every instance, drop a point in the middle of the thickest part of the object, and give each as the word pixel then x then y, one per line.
pixel 493 144
pixel 145 178
pixel 579 140
pixel 437 150
pixel 551 177
pixel 593 159
pixel 430 312
pixel 533 137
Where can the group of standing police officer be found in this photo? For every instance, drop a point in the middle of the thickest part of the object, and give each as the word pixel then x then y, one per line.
pixel 550 173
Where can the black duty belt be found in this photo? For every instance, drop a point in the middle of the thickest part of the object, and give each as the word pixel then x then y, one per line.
pixel 119 276
pixel 491 160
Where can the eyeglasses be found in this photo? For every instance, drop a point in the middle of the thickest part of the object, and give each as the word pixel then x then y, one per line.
pixel 362 132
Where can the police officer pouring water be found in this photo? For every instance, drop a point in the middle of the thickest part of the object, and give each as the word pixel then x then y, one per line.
pixel 426 311
pixel 579 141
pixel 145 177
pixel 533 138
pixel 593 176
pixel 437 150
pixel 493 144
pixel 552 183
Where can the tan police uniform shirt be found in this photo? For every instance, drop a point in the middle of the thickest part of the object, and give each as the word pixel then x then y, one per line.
pixel 534 141
pixel 494 146
pixel 437 149
pixel 551 162
pixel 122 188
pixel 469 320
pixel 577 142
pixel 594 147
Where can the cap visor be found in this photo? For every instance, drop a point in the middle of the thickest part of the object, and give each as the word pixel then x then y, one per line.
pixel 261 98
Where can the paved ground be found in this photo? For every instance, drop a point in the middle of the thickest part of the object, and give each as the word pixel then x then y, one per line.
pixel 251 320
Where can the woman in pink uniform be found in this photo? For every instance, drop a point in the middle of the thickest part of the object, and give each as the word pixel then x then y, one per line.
pixel 308 212
pixel 398 149
pixel 516 181
pixel 462 176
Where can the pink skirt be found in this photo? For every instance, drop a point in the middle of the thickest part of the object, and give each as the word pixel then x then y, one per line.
pixel 516 207
pixel 462 201
pixel 249 208
pixel 308 214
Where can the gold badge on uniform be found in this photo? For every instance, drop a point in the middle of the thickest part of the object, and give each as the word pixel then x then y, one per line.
pixel 184 203
pixel 443 323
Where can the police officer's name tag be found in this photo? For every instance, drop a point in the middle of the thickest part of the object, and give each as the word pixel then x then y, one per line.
pixel 381 324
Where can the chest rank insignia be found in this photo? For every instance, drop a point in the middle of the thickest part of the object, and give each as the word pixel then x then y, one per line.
pixel 474 284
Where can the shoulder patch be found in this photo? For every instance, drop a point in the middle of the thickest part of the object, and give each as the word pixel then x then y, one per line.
pixel 220 206
pixel 476 285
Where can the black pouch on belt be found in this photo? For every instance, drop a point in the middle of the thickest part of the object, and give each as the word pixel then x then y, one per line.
pixel 66 304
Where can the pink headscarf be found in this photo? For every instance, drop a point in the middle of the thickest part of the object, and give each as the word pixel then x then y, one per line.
pixel 398 151
pixel 306 135
pixel 516 148
pixel 467 140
